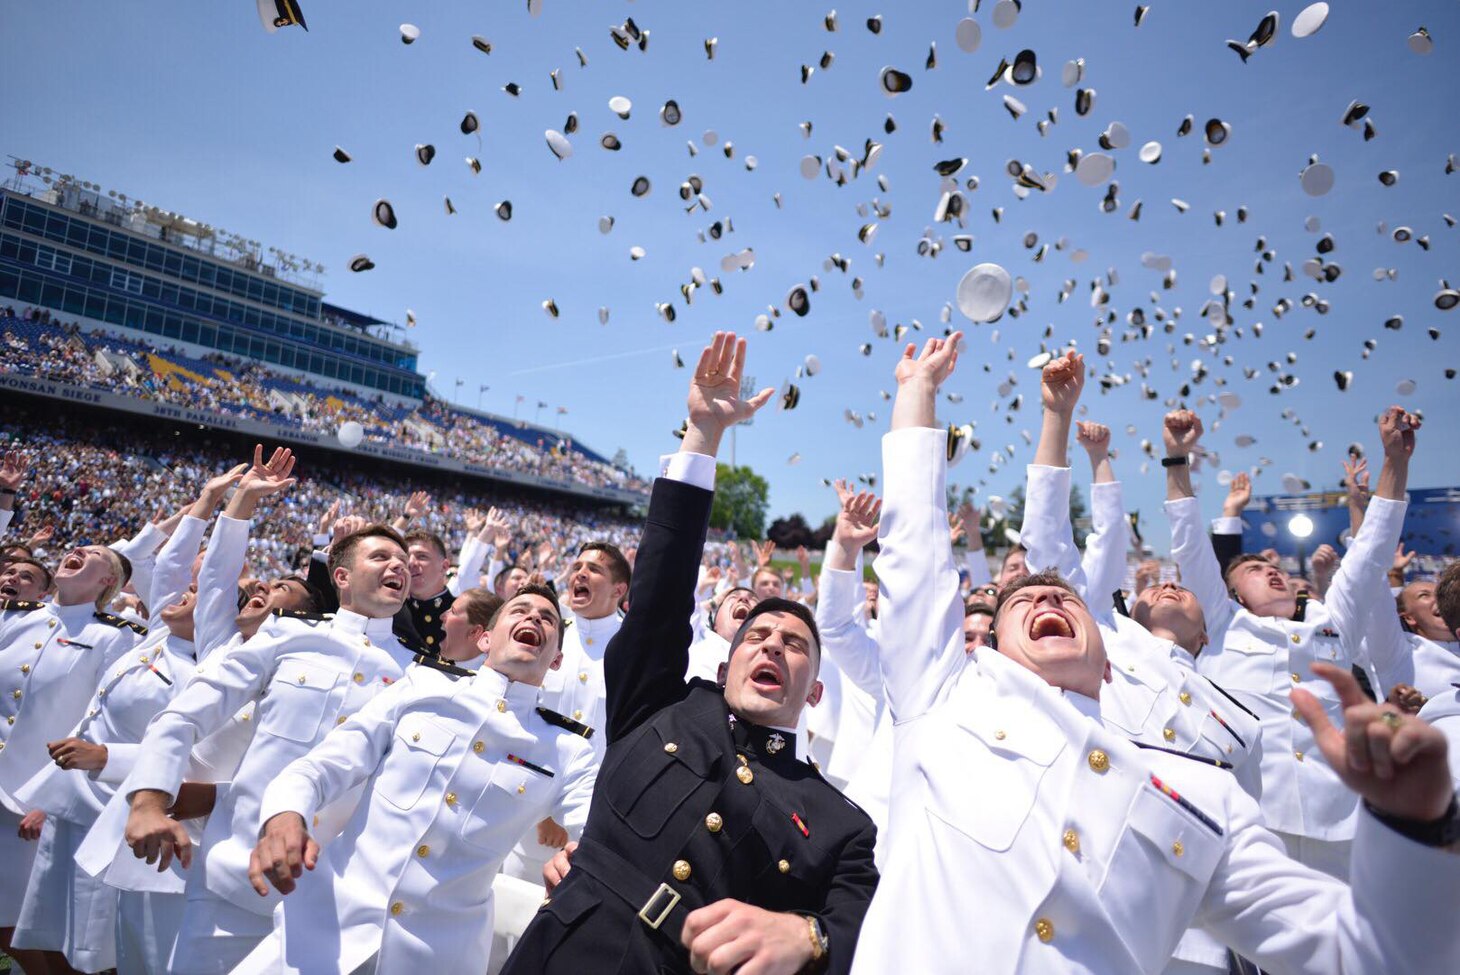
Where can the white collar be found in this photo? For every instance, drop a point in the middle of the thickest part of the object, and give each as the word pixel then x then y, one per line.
pixel 520 697
pixel 352 622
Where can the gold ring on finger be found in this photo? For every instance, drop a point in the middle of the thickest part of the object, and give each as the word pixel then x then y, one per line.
pixel 1390 718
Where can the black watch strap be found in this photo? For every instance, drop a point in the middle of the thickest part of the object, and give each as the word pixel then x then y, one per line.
pixel 1174 461
pixel 1444 831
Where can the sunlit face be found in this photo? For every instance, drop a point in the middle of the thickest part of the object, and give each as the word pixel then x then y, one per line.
pixel 265 597
pixel 526 640
pixel 734 607
pixel 86 573
pixel 1048 630
pixel 869 588
pixel 427 570
pixel 374 583
pixel 1015 568
pixel 511 582
pixel 976 631
pixel 767 584
pixel 462 636
pixel 772 672
pixel 592 593
pixel 21 580
pixel 1262 588
pixel 178 617
pixel 1422 613
pixel 1173 609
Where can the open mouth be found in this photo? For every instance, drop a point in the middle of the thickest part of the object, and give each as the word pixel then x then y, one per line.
pixel 1050 622
pixel 257 601
pixel 73 562
pixel 581 592
pixel 393 583
pixel 739 612
pixel 528 635
pixel 767 675
pixel 9 591
pixel 1277 583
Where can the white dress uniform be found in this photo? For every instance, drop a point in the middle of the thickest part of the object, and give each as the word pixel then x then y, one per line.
pixel 1092 855
pixel 66 909
pixel 1429 666
pixel 706 655
pixel 1260 660
pixel 1155 695
pixel 1443 711
pixel 306 676
pixel 51 658
pixel 575 690
pixel 458 768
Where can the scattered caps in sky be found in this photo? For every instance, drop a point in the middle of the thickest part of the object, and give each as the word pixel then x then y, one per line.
pixel 1144 342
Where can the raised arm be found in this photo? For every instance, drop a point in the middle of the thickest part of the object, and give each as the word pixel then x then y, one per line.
pixel 645 662
pixel 13 467
pixel 920 612
pixel 1047 535
pixel 1109 539
pixel 174 571
pixel 1191 548
pixel 1360 590
pixel 843 640
pixel 974 560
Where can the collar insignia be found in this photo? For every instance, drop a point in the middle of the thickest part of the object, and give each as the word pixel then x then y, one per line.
pixel 775 743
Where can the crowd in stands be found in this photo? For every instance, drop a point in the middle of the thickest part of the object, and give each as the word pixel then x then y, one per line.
pixel 36 344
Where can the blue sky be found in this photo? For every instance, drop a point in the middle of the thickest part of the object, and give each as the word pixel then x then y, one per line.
pixel 195 108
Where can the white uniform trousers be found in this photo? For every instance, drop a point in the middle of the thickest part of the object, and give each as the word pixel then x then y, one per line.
pixel 1329 856
pixel 215 934
pixel 66 909
pixel 17 855
pixel 147 926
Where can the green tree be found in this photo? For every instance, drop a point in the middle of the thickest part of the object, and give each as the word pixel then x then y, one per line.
pixel 742 498
pixel 993 535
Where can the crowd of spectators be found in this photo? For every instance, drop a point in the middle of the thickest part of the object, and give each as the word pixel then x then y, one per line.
pixel 38 345
pixel 100 481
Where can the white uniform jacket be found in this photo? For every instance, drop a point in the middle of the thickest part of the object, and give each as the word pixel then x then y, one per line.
pixel 706 655
pixel 458 768
pixel 1260 660
pixel 51 659
pixel 1443 711
pixel 576 688
pixel 306 677
pixel 130 694
pixel 217 607
pixel 1426 665
pixel 1092 855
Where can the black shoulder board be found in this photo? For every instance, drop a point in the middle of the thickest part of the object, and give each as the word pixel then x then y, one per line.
pixel 1200 759
pixel 18 605
pixel 436 663
pixel 120 623
pixel 299 614
pixel 1231 698
pixel 565 722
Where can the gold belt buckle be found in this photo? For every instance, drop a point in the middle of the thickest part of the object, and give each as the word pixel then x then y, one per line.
pixel 658 919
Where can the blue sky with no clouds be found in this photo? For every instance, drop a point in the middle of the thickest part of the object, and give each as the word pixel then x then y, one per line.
pixel 195 108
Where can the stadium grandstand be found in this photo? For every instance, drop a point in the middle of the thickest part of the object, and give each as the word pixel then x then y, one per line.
pixel 109 304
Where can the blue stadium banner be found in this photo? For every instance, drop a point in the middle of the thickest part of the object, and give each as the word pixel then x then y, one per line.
pixel 1431 526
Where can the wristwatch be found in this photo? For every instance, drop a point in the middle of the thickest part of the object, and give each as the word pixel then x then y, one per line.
pixel 1174 461
pixel 820 943
pixel 1444 831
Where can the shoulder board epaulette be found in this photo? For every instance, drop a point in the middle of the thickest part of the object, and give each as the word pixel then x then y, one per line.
pixel 436 663
pixel 120 623
pixel 1199 759
pixel 566 723
pixel 1229 697
pixel 19 605
pixel 299 614
pixel 1300 608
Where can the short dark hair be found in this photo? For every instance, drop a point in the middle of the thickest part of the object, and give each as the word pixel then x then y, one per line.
pixel 1447 596
pixel 1242 559
pixel 425 538
pixel 775 604
pixel 24 550
pixel 314 598
pixel 1048 577
pixel 1013 549
pixel 619 569
pixel 481 605
pixel 978 609
pixel 45 572
pixel 503 572
pixel 532 589
pixel 344 550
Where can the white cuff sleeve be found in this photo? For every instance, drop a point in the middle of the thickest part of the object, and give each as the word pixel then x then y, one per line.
pixel 697 470
pixel 1227 525
pixel 120 757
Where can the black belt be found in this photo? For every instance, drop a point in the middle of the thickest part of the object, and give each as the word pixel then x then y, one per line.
pixel 659 906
